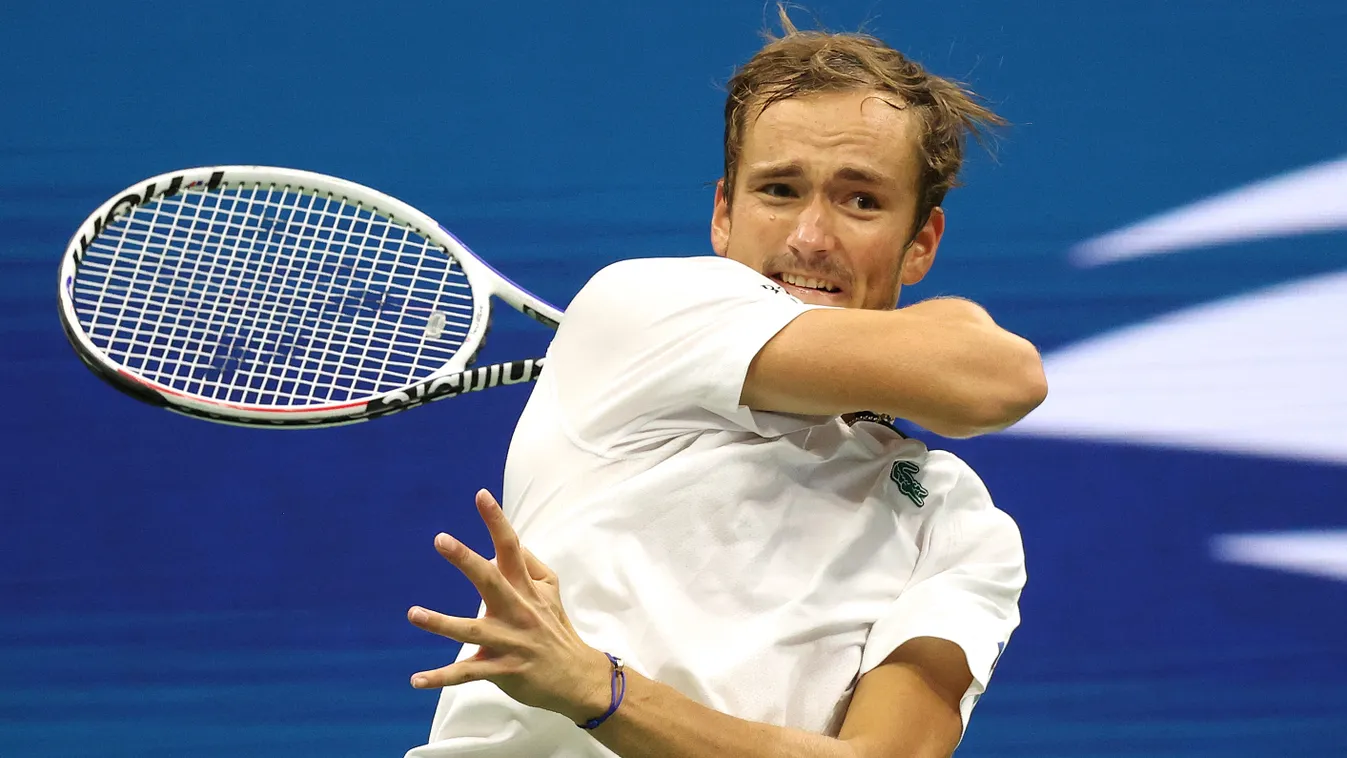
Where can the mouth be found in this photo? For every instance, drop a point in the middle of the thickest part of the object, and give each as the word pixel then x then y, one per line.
pixel 811 289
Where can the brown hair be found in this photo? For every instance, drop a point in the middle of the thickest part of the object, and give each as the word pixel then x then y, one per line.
pixel 809 62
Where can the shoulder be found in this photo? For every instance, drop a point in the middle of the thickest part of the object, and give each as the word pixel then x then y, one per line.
pixel 640 297
pixel 959 509
pixel 966 489
pixel 641 278
pixel 704 263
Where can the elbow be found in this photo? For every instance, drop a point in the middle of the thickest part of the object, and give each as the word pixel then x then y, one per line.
pixel 1032 389
pixel 1025 389
pixel 1022 387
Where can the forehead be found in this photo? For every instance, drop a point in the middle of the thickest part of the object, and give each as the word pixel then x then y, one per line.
pixel 863 127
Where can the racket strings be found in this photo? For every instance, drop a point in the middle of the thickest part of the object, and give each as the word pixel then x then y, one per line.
pixel 261 295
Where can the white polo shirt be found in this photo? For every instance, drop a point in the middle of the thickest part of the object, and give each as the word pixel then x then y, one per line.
pixel 759 563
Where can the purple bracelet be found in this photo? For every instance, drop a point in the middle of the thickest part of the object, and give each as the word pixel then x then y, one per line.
pixel 619 676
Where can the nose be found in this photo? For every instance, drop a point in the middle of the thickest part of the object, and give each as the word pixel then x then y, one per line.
pixel 813 232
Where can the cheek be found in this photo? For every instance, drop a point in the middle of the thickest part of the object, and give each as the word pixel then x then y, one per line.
pixel 882 274
pixel 755 230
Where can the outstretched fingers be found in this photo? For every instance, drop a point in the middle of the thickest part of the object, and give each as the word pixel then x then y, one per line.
pixel 471 670
pixel 509 553
pixel 497 592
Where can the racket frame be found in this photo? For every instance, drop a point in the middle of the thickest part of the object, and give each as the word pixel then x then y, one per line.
pixel 452 379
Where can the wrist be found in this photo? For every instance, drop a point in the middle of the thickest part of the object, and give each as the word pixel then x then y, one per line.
pixel 594 693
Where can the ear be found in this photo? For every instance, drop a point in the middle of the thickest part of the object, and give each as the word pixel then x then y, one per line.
pixel 720 221
pixel 920 254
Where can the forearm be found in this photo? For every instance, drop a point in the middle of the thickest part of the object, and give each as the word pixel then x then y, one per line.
pixel 943 364
pixel 657 721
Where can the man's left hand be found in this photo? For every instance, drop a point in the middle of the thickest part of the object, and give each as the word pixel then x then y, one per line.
pixel 527 645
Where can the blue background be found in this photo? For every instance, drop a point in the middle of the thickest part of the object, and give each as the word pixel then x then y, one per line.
pixel 170 587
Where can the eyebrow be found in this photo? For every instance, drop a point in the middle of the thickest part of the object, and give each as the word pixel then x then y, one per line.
pixel 853 174
pixel 793 171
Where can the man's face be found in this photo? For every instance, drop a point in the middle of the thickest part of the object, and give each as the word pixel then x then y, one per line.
pixel 825 199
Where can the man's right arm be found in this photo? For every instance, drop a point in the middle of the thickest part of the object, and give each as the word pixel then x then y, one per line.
pixel 943 364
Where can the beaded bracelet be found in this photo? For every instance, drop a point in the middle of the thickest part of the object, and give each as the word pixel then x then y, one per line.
pixel 619 677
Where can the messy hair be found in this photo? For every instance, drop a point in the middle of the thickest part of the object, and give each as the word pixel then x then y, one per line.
pixel 800 63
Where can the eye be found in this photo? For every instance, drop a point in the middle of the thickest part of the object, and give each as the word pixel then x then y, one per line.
pixel 777 189
pixel 864 202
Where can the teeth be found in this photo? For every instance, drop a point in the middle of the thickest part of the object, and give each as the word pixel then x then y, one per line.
pixel 813 284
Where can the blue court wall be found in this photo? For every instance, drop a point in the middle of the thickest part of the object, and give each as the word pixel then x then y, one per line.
pixel 1173 181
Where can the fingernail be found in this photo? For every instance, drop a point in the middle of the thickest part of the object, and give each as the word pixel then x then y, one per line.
pixel 418 614
pixel 419 681
pixel 444 541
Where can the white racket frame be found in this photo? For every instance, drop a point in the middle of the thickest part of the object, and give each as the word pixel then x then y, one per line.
pixel 484 281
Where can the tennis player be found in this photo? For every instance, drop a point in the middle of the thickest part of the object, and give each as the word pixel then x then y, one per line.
pixel 728 556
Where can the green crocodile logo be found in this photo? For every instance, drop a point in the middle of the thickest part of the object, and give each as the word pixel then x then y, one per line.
pixel 903 474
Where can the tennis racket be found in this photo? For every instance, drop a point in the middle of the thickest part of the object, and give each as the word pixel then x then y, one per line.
pixel 263 296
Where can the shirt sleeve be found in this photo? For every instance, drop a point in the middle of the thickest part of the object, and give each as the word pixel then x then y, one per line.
pixel 653 346
pixel 965 587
